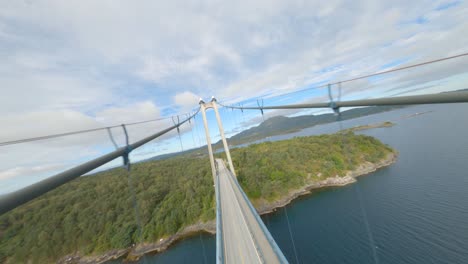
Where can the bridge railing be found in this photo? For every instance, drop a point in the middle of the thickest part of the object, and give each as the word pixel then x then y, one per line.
pixel 270 239
pixel 219 223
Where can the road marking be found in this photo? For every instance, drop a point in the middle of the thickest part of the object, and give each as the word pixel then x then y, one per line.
pixel 240 253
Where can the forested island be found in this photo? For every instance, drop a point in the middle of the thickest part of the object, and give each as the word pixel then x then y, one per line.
pixel 92 219
pixel 370 126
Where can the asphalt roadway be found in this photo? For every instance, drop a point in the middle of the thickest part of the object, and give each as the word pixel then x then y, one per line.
pixel 244 241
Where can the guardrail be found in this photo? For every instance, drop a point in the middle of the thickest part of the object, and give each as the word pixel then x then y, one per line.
pixel 219 223
pixel 270 239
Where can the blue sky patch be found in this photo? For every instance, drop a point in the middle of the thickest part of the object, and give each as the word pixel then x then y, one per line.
pixel 448 5
pixel 394 63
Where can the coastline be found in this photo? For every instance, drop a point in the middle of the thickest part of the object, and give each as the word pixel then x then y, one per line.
pixel 135 253
pixel 262 206
pixel 266 207
pixel 370 126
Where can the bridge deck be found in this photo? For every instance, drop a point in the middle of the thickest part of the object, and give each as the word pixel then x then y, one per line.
pixel 244 239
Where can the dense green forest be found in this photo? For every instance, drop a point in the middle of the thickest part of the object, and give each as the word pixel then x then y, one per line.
pixel 269 170
pixel 94 214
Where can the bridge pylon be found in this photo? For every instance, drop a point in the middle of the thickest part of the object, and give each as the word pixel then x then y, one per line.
pixel 241 235
pixel 203 107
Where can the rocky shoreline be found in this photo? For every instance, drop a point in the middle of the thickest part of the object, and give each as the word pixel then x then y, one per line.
pixel 265 207
pixel 134 253
pixel 262 206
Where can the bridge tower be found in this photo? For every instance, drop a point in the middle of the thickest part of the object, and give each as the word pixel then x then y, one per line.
pixel 203 107
pixel 241 235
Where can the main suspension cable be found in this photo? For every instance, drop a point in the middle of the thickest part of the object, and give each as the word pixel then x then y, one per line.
pixel 361 77
pixel 24 140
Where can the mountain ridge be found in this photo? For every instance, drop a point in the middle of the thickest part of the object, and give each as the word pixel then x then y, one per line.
pixel 282 125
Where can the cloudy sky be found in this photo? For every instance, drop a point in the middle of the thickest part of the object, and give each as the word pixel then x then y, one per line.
pixel 72 65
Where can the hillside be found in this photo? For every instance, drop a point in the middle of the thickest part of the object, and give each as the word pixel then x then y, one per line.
pixel 281 125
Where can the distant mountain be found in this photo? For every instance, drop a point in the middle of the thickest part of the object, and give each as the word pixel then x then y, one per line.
pixel 279 125
pixel 282 125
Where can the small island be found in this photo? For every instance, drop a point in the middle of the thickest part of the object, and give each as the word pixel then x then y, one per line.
pixel 92 220
pixel 366 127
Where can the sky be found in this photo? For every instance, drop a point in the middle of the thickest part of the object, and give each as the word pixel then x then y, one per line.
pixel 73 65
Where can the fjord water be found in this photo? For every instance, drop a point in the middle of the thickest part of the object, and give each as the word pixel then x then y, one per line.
pixel 414 211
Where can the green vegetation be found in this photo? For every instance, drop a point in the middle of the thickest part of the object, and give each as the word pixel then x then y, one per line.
pixel 269 170
pixel 94 214
pixel 371 126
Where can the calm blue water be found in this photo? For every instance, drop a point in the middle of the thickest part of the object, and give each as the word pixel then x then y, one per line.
pixel 415 211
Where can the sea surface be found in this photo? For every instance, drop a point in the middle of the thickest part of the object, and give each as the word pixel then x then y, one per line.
pixel 414 211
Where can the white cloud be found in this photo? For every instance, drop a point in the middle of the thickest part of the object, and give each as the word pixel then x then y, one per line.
pixel 71 65
pixel 28 159
pixel 187 100
pixel 41 123
pixel 119 115
pixel 224 49
pixel 32 124
pixel 25 171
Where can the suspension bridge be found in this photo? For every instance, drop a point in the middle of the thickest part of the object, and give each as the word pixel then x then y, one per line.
pixel 241 236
